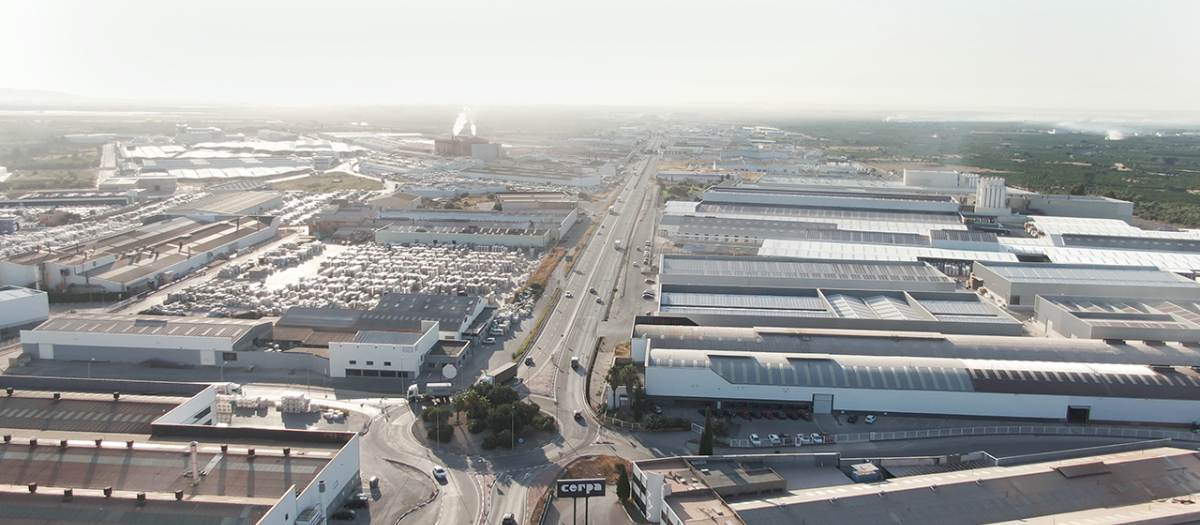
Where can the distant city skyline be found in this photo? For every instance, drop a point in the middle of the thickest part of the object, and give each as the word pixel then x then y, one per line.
pixel 1068 56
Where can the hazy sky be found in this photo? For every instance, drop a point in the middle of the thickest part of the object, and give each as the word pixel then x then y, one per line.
pixel 1089 55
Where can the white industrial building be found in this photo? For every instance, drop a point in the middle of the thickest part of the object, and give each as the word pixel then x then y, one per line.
pixel 1117 319
pixel 1076 392
pixel 21 309
pixel 822 198
pixel 383 354
pixel 136 339
pixel 775 272
pixel 137 259
pixel 1016 285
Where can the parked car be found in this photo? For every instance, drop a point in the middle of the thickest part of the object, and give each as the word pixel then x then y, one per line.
pixel 357 501
pixel 779 415
pixel 343 515
pixel 870 419
pixel 852 419
pixel 802 439
pixel 490 340
pixel 744 415
pixel 793 415
pixel 755 440
pixel 774 439
pixel 806 416
pixel 768 414
pixel 816 437
pixel 756 415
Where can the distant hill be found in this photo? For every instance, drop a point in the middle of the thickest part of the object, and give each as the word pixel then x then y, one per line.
pixel 37 96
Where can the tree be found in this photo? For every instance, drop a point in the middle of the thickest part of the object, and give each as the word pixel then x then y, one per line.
pixel 460 404
pixel 436 414
pixel 476 405
pixel 622 482
pixel 706 437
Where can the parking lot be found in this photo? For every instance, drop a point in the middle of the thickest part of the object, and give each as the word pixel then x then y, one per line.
pixel 764 420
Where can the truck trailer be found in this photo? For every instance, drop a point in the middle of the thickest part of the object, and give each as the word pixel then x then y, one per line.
pixel 501 375
pixel 431 390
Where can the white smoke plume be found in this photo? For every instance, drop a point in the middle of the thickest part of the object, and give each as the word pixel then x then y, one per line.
pixel 463 119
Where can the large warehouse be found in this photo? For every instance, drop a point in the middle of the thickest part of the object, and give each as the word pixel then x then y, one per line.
pixel 137 259
pixel 911 373
pixel 1076 392
pixel 1017 284
pixel 776 272
pixel 137 339
pixel 862 309
pixel 21 309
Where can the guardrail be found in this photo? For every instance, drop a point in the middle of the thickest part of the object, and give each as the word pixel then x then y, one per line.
pixel 621 423
pixel 1053 430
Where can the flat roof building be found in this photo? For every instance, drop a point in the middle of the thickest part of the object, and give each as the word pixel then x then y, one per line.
pixel 1120 319
pixel 151 474
pixel 1017 284
pixel 796 272
pixel 21 309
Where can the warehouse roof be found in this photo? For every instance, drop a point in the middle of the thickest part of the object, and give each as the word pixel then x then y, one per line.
pixel 888 344
pixel 1096 274
pixel 829 213
pixel 876 252
pixel 96 413
pixel 9 292
pixel 227 203
pixel 85 507
pixel 1099 309
pixel 1151 480
pixel 232 329
pixel 795 268
pixel 934 374
pixel 389 338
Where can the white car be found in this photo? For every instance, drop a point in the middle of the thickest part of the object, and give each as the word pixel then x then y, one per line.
pixel 816 437
pixel 802 439
pixel 774 439
pixel 754 440
pixel 870 419
pixel 440 473
pixel 569 294
pixel 489 340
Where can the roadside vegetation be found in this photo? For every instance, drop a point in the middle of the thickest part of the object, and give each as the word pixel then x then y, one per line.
pixel 497 408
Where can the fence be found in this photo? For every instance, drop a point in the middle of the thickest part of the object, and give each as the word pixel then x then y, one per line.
pixel 622 423
pixel 1132 433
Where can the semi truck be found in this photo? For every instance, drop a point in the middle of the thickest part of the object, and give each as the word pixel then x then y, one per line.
pixel 501 375
pixel 431 390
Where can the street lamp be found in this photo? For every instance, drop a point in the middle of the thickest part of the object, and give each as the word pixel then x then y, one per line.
pixel 90 368
pixel 223 371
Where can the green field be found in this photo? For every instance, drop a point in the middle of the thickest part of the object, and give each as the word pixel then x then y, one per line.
pixel 28 180
pixel 328 182
pixel 1159 173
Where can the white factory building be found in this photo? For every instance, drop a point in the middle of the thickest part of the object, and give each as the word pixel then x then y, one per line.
pixel 21 309
pixel 901 373
pixel 1015 285
pixel 138 339
pixel 136 260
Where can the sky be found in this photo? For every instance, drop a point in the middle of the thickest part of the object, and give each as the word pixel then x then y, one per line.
pixel 1092 56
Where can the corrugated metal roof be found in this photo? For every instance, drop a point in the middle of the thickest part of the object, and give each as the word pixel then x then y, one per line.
pixel 232 329
pixel 388 338
pixel 875 252
pixel 883 344
pixel 799 268
pixel 1037 273
pixel 779 302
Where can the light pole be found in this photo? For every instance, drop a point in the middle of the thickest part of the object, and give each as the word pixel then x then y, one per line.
pixel 512 428
pixel 90 368
pixel 222 371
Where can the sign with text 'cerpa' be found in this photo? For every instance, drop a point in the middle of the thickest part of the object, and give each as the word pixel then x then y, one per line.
pixel 581 488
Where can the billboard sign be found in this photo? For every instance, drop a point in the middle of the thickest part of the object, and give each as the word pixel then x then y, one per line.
pixel 581 488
